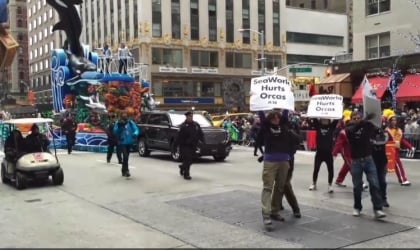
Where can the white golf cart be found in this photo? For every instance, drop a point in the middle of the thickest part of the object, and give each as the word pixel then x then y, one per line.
pixel 30 166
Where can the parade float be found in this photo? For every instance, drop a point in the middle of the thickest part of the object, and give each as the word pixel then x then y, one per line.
pixel 80 89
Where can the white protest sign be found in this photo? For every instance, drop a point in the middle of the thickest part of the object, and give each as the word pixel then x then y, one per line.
pixel 326 106
pixel 371 104
pixel 271 92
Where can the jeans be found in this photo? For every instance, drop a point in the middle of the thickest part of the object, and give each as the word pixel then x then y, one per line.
pixel 125 150
pixel 110 152
pixel 277 197
pixel 187 155
pixel 273 172
pixel 366 165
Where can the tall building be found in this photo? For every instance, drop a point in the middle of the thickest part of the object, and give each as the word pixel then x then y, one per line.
pixel 382 28
pixel 14 79
pixel 41 18
pixel 195 53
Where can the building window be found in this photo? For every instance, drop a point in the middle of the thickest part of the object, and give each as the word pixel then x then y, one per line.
pixel 295 37
pixel 179 89
pixel 238 60
pixel 378 46
pixel 136 18
pixel 20 23
pixel 271 61
pixel 229 22
pixel 195 20
pixel 246 36
pixel 156 18
pixel 176 19
pixel 261 15
pixel 19 10
pixel 276 23
pixel 202 58
pixel 212 20
pixel 169 57
pixel 377 6
pixel 294 59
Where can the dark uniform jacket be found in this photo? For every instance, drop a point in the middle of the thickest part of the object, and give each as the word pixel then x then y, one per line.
pixel 190 134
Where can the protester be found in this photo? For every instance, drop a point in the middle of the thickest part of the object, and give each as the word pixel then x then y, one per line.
pixel 359 134
pixel 379 157
pixel 278 142
pixel 324 141
pixel 188 139
pixel 254 132
pixel 69 130
pixel 123 55
pixel 127 133
pixel 113 142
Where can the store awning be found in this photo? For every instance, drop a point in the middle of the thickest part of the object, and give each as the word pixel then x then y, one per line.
pixel 379 84
pixel 335 78
pixel 409 89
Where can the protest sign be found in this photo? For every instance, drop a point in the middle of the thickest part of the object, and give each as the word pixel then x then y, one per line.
pixel 271 92
pixel 371 104
pixel 326 107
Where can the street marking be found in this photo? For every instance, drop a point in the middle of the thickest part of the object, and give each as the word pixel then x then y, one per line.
pixel 115 164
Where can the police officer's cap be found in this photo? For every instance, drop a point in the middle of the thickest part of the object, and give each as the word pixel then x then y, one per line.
pixel 188 113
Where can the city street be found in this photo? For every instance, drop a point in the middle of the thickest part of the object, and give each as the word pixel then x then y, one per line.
pixel 219 207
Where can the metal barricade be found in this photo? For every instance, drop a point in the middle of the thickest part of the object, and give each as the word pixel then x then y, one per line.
pixel 414 140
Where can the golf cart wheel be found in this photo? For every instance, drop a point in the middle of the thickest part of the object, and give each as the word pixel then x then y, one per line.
pixel 3 174
pixel 20 181
pixel 58 177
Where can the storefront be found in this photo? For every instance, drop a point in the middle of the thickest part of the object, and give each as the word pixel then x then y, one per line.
pixel 339 84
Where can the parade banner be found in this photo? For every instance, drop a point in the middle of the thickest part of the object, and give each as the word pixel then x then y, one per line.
pixel 326 107
pixel 271 92
pixel 371 104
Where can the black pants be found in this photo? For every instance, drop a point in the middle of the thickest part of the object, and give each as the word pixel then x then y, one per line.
pixel 187 154
pixel 110 152
pixel 125 151
pixel 123 66
pixel 320 157
pixel 382 170
pixel 288 191
pixel 71 139
pixel 256 147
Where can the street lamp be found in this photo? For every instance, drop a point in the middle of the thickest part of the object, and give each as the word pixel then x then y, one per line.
pixel 262 41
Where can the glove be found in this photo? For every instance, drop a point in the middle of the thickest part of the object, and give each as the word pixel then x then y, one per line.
pixel 413 149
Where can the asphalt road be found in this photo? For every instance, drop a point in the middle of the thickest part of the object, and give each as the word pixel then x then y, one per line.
pixel 219 207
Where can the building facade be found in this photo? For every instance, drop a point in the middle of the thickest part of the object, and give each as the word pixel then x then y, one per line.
pixel 14 79
pixel 337 6
pixel 41 18
pixel 382 28
pixel 195 53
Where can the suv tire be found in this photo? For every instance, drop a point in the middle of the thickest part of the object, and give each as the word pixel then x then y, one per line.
pixel 219 158
pixel 142 148
pixel 175 153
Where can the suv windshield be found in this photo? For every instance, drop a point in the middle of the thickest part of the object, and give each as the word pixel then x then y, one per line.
pixel 177 119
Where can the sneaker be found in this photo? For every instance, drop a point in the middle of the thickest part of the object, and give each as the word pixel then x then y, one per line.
pixel 268 224
pixel 277 217
pixel 127 174
pixel 356 212
pixel 297 214
pixel 187 177
pixel 108 160
pixel 379 214
pixel 385 203
pixel 312 187
pixel 340 184
pixel 330 189
pixel 406 183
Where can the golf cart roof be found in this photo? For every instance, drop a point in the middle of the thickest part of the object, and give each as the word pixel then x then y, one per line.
pixel 28 121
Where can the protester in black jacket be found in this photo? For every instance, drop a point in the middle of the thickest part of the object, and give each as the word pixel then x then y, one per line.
pixel 278 142
pixel 113 142
pixel 188 139
pixel 324 145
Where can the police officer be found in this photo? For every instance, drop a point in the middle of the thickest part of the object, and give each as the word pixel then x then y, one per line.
pixel 189 136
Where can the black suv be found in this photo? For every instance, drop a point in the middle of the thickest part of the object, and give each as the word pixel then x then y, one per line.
pixel 159 129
